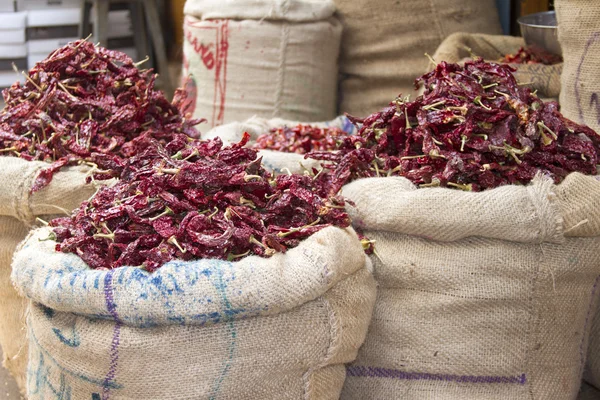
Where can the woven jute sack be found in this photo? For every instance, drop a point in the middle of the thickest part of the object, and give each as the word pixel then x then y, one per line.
pixel 384 41
pixel 269 58
pixel 483 295
pixel 18 210
pixel 579 36
pixel 458 46
pixel 276 161
pixel 275 328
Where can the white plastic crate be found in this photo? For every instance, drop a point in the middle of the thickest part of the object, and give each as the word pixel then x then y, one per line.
pixel 7 6
pixel 7 78
pixel 53 17
pixel 25 5
pixel 13 50
pixel 12 27
pixel 47 46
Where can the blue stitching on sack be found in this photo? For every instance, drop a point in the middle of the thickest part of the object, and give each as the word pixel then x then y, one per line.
pixel 73 342
pixel 221 287
pixel 98 382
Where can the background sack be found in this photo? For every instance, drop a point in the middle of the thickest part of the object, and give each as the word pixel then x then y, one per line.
pixel 579 38
pixel 276 161
pixel 260 328
pixel 543 78
pixel 269 58
pixel 384 42
pixel 483 295
pixel 18 210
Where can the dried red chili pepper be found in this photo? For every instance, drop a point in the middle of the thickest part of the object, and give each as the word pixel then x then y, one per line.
pixel 474 128
pixel 85 103
pixel 531 55
pixel 195 201
pixel 300 139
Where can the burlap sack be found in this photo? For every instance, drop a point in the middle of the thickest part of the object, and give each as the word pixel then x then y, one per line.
pixel 579 36
pixel 592 370
pixel 543 78
pixel 270 58
pixel 276 161
pixel 18 210
pixel 481 295
pixel 276 328
pixel 384 42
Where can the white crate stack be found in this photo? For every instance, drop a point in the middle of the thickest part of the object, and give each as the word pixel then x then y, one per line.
pixel 31 29
pixel 13 47
pixel 49 29
pixel 53 23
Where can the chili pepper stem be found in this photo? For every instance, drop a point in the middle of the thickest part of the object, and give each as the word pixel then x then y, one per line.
pixel 463 141
pixel 173 240
pixel 194 153
pixel 479 102
pixel 433 105
pixel 137 64
pixel 167 211
pixel 38 219
pixel 109 236
pixel 467 188
pixel 51 236
pixel 248 178
pixel 431 60
pixel 232 256
pixel 293 230
pixel 545 127
pixel 268 251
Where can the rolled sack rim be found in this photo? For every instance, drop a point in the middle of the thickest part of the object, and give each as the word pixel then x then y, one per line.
pixel 270 10
pixel 376 200
pixel 198 292
pixel 17 177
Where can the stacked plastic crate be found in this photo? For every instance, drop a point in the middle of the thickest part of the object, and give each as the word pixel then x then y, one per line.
pixel 54 23
pixel 13 48
pixel 50 24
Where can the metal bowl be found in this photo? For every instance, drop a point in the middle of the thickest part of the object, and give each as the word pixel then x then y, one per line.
pixel 540 29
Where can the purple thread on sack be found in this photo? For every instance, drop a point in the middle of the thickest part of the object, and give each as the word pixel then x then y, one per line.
pixel 376 372
pixel 593 38
pixel 114 349
pixel 585 325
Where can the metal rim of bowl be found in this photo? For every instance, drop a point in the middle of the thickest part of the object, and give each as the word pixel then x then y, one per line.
pixel 521 23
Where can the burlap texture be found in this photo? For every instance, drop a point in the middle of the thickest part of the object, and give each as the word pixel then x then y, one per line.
pixel 543 78
pixel 286 10
pixel 274 160
pixel 246 62
pixel 276 328
pixel 484 295
pixel 384 42
pixel 579 37
pixel 18 210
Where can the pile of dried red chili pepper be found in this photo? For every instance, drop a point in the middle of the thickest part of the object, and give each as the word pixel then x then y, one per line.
pixel 474 128
pixel 300 139
pixel 532 55
pixel 86 104
pixel 190 200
